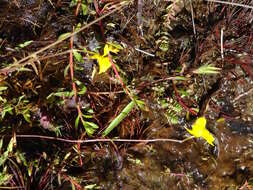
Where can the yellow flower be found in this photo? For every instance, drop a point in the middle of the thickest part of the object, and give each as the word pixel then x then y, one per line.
pixel 103 60
pixel 110 48
pixel 199 130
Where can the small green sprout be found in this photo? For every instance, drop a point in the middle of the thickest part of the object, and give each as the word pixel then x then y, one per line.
pixel 207 69
pixel 26 43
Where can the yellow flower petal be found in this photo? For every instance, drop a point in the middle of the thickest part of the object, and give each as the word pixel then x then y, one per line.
pixel 106 50
pixel 104 64
pixel 103 60
pixel 195 133
pixel 208 137
pixel 95 56
pixel 200 123
pixel 109 48
pixel 113 49
pixel 199 130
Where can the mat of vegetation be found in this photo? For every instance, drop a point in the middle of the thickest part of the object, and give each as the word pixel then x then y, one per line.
pixel 126 94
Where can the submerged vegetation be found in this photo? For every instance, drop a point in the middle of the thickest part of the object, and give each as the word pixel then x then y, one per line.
pixel 126 94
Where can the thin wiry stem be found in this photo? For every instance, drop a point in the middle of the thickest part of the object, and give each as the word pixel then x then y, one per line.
pixel 231 3
pixel 144 52
pixel 106 93
pixel 105 140
pixel 221 44
pixel 243 94
pixel 79 3
pixel 119 78
pixel 18 187
pixel 193 23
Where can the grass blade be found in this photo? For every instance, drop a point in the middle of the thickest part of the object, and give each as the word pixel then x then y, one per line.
pixel 119 118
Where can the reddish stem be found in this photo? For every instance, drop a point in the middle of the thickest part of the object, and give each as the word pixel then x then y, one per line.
pixel 98 13
pixel 71 66
pixel 117 75
pixel 78 7
pixel 181 102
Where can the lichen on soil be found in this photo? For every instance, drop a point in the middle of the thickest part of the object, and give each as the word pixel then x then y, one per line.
pixel 164 43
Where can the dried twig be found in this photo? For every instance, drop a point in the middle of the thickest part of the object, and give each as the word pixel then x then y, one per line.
pixel 243 94
pixel 221 44
pixel 18 187
pixel 193 23
pixel 231 3
pixel 144 52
